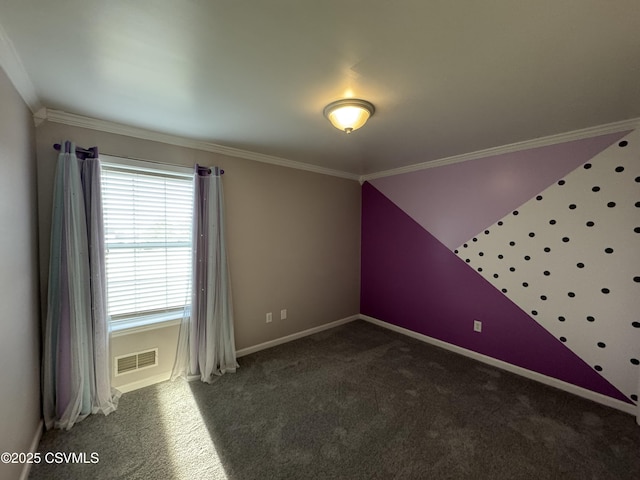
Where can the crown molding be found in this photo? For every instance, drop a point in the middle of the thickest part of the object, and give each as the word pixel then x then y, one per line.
pixel 57 116
pixel 12 65
pixel 621 126
pixel 40 116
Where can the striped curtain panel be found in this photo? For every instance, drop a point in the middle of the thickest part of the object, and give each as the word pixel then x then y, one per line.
pixel 206 345
pixel 76 380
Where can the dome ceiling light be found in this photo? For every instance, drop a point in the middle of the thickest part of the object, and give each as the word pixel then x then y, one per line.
pixel 349 114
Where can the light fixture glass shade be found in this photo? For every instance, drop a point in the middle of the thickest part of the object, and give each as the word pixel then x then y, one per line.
pixel 349 114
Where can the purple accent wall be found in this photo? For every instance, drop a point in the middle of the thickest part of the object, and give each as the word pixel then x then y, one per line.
pixel 445 200
pixel 412 280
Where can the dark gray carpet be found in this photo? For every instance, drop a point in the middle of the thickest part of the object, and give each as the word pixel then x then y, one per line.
pixel 356 402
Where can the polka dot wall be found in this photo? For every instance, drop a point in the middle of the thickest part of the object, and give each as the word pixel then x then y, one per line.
pixel 570 258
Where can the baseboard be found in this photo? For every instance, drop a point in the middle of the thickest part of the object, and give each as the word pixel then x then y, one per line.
pixel 129 387
pixel 145 382
pixel 295 336
pixel 553 382
pixel 33 448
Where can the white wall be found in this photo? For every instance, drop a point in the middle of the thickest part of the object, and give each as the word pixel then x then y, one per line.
pixel 19 318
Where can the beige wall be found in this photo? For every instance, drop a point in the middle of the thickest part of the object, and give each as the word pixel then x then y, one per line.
pixel 293 236
pixel 19 325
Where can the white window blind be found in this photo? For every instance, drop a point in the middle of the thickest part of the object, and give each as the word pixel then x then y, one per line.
pixel 147 219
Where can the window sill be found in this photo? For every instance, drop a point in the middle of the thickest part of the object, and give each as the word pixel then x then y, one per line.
pixel 144 324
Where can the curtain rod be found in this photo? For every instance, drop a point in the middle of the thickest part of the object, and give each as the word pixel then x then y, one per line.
pixel 94 150
pixel 87 152
pixel 146 160
pixel 208 170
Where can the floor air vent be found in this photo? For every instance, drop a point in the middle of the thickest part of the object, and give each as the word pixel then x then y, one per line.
pixel 133 362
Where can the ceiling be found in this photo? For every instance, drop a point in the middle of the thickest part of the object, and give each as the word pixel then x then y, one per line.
pixel 446 77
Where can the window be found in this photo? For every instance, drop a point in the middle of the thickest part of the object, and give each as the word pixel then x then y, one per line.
pixel 148 213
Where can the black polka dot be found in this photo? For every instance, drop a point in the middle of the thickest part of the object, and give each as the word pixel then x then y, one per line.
pixel 591 319
pixel 561 182
pixel 531 234
pixel 637 204
pixel 637 229
pixel 635 324
pixel 587 166
pixel 636 279
pixel 619 169
pixel 525 285
pixel 511 269
pixel 601 344
pixel 561 318
pixel 571 294
pixel 455 251
pixel 539 197
pixel 486 232
pixel 598 368
pixel 552 222
pixel 608 250
pixel 474 239
pixel 500 223
pixel 572 206
pixel 527 258
pixel 634 397
pixel 565 239
pixel 495 275
pixel 590 223
pixel 595 189
pixel 500 256
pixel 504 290
pixel 534 312
pixel 611 204
pixel 546 273
pixel 481 254
pixel 623 143
pixel 563 339
pixel 465 245
pixel 479 269
pixel 580 265
pixel 605 290
pixel 467 260
pixel 512 243
pixel 637 179
pixel 543 297
pixel 547 249
pixel 635 361
pixel 515 212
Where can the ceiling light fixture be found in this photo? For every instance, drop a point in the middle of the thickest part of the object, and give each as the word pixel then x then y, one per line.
pixel 349 114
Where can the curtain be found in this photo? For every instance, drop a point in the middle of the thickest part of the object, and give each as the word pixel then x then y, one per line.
pixel 206 344
pixel 76 380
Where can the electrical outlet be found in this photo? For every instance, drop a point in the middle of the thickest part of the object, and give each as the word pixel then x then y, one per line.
pixel 283 314
pixel 477 326
pixel 269 317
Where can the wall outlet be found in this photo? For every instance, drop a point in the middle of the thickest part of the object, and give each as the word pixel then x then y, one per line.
pixel 477 326
pixel 283 314
pixel 269 317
